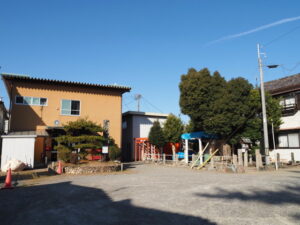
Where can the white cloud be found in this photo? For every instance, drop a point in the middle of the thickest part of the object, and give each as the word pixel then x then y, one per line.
pixel 279 22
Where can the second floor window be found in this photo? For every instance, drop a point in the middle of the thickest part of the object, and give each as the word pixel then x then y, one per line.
pixel 70 107
pixel 288 102
pixel 25 100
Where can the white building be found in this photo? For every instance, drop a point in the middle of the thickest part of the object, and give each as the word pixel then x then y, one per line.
pixel 137 125
pixel 288 137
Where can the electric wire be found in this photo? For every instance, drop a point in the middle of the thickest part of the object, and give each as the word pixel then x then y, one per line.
pixel 152 105
pixel 281 36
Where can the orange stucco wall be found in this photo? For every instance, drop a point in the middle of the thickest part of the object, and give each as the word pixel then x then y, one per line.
pixel 96 104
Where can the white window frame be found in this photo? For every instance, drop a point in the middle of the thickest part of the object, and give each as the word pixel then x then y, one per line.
pixel 31 100
pixel 288 141
pixel 80 105
pixel 285 99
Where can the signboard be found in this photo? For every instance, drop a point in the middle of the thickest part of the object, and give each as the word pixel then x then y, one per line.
pixel 105 149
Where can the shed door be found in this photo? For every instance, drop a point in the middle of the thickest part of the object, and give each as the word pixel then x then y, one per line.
pixel 20 148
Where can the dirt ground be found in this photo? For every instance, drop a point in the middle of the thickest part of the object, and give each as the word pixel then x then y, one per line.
pixel 150 194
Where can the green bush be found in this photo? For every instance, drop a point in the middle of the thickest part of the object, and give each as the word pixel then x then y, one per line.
pixel 114 152
pixel 63 153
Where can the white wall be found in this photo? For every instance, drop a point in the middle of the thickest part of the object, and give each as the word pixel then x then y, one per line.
pixel 290 122
pixel 143 124
pixel 18 147
pixel 285 154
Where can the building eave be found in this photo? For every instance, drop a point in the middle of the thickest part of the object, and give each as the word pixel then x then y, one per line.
pixel 150 114
pixel 15 77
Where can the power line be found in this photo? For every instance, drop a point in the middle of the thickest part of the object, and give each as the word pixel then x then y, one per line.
pixel 293 68
pixel 152 104
pixel 281 36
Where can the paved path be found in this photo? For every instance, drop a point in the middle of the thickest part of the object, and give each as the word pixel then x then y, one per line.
pixel 149 194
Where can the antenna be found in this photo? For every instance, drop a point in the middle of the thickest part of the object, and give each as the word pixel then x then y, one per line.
pixel 138 97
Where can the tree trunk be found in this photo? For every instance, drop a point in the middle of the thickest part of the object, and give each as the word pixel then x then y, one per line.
pixel 173 151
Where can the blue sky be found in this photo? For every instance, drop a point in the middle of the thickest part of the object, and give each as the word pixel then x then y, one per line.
pixel 146 45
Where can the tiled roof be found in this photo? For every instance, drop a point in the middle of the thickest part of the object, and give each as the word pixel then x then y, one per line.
pixel 71 83
pixel 283 85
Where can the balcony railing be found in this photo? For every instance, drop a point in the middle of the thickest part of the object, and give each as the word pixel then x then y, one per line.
pixel 289 109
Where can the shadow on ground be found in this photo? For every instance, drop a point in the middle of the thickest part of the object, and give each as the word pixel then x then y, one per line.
pixel 65 203
pixel 288 194
pixel 27 175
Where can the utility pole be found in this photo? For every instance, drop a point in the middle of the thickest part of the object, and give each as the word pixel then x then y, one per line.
pixel 263 104
pixel 137 97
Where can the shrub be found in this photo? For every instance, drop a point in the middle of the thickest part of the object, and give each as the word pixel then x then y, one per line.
pixel 114 152
pixel 63 153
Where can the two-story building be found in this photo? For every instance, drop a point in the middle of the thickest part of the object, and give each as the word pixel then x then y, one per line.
pixel 288 137
pixel 40 107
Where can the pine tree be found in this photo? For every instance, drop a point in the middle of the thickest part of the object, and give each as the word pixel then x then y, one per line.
pixel 80 134
pixel 156 135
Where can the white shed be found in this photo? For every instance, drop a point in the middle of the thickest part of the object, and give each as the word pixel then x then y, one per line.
pixel 20 147
pixel 137 125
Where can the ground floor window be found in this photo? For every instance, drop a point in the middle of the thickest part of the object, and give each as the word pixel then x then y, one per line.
pixel 288 140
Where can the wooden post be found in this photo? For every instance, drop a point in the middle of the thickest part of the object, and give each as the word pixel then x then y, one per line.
pixel 143 156
pixel 240 157
pixel 164 158
pixel 246 159
pixel 293 158
pixel 152 153
pixel 200 151
pixel 234 160
pixel 186 151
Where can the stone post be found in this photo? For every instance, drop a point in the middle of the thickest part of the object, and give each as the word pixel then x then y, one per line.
pixel 164 158
pixel 293 158
pixel 234 160
pixel 240 157
pixel 258 159
pixel 250 160
pixel 246 159
pixel 194 158
pixel 212 162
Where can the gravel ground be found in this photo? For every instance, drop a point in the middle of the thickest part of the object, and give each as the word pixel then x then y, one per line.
pixel 150 194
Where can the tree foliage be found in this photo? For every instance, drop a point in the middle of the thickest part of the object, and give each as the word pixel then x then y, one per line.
pixel 173 128
pixel 229 109
pixel 80 134
pixel 156 135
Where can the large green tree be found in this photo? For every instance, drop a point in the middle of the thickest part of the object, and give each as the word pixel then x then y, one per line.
pixel 173 128
pixel 229 109
pixel 198 92
pixel 156 135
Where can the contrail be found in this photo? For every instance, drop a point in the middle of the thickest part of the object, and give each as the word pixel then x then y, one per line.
pixel 279 22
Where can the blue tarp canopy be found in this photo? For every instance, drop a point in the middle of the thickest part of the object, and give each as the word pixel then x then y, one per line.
pixel 199 134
